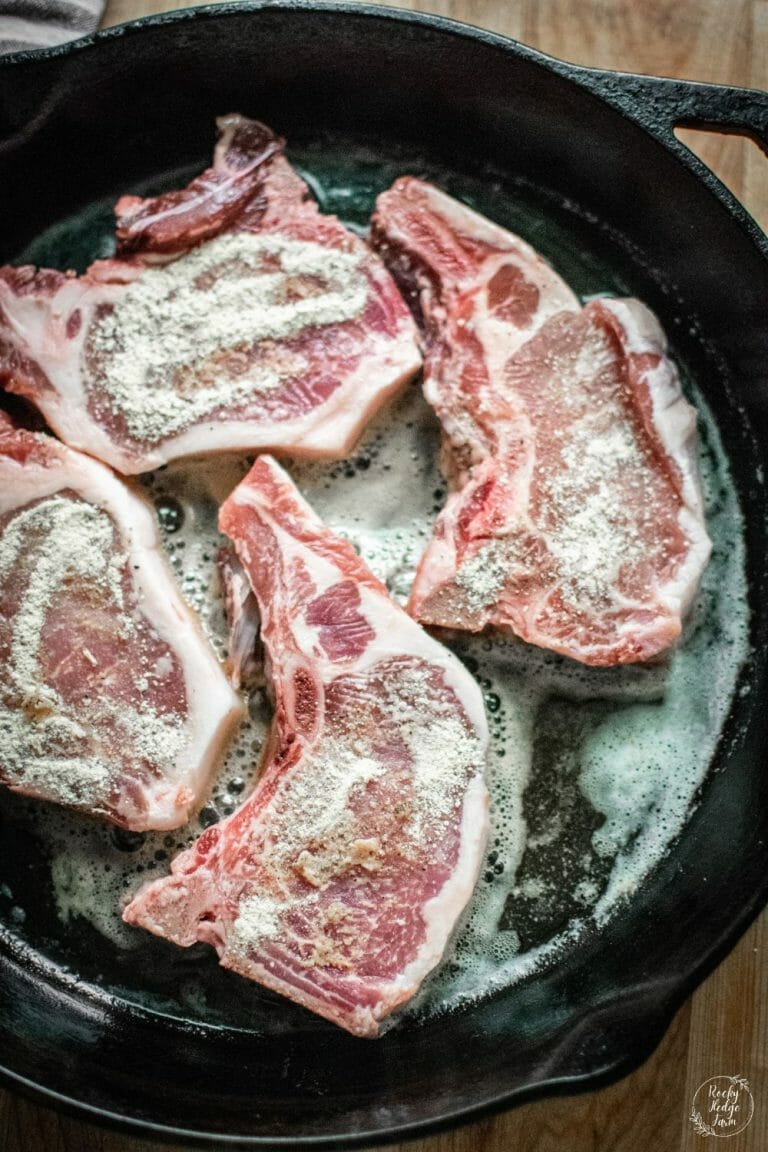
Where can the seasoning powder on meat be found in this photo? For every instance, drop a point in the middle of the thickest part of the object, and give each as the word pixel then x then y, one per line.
pixel 180 343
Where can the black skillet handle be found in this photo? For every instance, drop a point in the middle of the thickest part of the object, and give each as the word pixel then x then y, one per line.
pixel 662 104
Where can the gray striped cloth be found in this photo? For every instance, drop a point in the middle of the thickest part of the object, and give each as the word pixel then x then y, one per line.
pixel 29 24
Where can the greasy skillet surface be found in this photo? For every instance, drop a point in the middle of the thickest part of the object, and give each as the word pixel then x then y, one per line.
pixel 603 1008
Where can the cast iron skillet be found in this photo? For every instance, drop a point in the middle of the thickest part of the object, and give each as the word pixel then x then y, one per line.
pixel 93 118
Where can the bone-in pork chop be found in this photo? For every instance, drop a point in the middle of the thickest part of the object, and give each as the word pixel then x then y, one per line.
pixel 111 700
pixel 340 880
pixel 234 317
pixel 575 518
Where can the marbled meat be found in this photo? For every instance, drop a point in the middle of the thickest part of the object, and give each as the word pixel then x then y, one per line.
pixel 575 518
pixel 111 699
pixel 339 882
pixel 235 316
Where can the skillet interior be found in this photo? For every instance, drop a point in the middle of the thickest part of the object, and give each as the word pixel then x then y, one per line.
pixel 141 101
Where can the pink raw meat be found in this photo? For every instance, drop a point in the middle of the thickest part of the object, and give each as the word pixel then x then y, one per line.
pixel 111 700
pixel 341 879
pixel 235 317
pixel 575 518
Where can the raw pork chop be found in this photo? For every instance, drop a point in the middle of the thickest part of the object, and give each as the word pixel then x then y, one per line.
pixel 575 519
pixel 339 882
pixel 235 316
pixel 111 700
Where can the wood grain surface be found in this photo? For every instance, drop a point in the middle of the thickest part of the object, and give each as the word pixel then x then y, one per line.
pixel 723 1029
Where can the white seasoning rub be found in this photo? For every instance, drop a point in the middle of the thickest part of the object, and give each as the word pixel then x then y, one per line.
pixel 483 576
pixel 596 536
pixel 317 807
pixel 590 535
pixel 443 754
pixel 49 744
pixel 314 803
pixel 75 541
pixel 273 328
pixel 226 296
pixel 110 700
pixel 442 750
pixel 78 782
pixel 258 917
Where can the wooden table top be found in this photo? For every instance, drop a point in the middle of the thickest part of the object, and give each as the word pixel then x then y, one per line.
pixel 723 1029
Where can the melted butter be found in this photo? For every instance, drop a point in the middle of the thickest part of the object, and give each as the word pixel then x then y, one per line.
pixel 593 772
